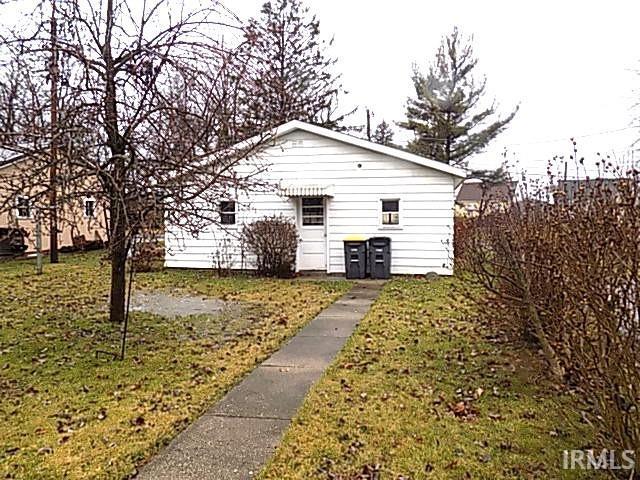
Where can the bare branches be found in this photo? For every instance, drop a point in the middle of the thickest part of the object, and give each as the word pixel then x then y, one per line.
pixel 145 90
pixel 567 271
pixel 291 74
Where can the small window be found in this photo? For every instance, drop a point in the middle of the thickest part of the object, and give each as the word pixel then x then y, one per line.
pixel 89 208
pixel 227 212
pixel 390 212
pixel 23 207
pixel 312 211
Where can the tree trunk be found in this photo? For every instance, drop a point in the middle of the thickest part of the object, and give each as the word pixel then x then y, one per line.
pixel 53 169
pixel 117 204
pixel 447 145
pixel 118 247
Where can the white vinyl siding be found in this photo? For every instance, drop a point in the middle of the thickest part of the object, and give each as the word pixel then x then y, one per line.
pixel 422 244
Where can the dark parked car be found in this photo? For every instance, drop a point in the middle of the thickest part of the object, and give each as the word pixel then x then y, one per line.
pixel 12 241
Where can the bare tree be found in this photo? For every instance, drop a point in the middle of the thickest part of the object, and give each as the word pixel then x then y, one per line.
pixel 146 91
pixel 54 76
pixel 292 69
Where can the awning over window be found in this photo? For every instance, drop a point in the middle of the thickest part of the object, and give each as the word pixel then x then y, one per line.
pixel 308 190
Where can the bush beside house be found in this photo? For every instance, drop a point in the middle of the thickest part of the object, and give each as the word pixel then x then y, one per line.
pixel 568 274
pixel 274 242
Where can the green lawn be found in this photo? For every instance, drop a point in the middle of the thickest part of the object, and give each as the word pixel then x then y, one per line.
pixel 65 413
pixel 391 402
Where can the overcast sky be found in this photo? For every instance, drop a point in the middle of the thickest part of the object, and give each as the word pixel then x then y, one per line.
pixel 569 64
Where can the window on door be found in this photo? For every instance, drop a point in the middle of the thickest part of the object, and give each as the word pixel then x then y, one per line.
pixel 312 211
pixel 391 212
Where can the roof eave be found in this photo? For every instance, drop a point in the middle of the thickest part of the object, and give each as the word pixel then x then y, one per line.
pixel 12 162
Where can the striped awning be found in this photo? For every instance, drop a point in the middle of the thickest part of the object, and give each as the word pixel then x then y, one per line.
pixel 308 190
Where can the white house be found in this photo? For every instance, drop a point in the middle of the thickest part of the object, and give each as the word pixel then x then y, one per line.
pixel 335 187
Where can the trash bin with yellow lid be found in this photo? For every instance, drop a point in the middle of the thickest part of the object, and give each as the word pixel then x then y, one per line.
pixel 355 256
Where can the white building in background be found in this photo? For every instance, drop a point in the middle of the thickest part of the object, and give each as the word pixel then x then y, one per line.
pixel 336 187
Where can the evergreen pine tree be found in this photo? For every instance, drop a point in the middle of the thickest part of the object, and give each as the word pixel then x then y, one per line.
pixel 445 116
pixel 383 134
pixel 290 71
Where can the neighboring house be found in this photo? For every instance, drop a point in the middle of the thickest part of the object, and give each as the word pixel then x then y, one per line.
pixel 570 191
pixel 475 196
pixel 82 217
pixel 335 187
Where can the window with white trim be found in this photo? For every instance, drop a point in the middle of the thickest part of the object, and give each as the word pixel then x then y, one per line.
pixel 89 208
pixel 312 211
pixel 227 212
pixel 23 207
pixel 390 211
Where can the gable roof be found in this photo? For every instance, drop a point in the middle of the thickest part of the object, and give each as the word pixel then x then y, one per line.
pixel 367 145
pixel 9 157
pixel 294 125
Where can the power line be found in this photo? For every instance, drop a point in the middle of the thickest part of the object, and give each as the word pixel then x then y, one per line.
pixel 567 139
pixel 539 142
pixel 589 158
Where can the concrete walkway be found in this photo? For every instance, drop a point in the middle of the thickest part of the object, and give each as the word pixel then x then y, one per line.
pixel 238 435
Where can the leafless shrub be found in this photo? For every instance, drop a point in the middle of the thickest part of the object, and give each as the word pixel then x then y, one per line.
pixel 273 241
pixel 567 272
pixel 462 227
pixel 148 257
pixel 223 257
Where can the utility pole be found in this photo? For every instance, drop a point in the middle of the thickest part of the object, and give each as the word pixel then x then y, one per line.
pixel 368 124
pixel 38 243
pixel 53 167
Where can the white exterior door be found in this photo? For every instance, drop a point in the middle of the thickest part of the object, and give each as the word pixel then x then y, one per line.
pixel 312 254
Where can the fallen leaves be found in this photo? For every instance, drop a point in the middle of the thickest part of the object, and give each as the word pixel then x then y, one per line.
pixel 447 406
pixel 83 411
pixel 365 472
pixel 463 410
pixel 138 421
pixel 11 450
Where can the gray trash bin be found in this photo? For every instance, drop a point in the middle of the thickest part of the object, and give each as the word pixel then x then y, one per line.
pixel 355 258
pixel 380 257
